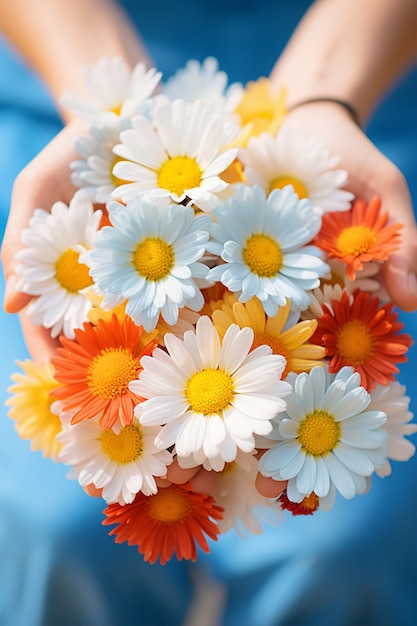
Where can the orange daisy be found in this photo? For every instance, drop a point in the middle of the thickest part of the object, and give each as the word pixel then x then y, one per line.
pixel 96 368
pixel 359 235
pixel 307 506
pixel 174 520
pixel 362 333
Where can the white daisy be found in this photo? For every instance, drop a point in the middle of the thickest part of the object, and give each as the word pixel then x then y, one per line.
pixel 179 155
pixel 293 158
pixel 391 399
pixel 327 439
pixel 93 173
pixel 121 463
pixel 204 81
pixel 263 242
pixel 210 398
pixel 115 89
pixel 149 257
pixel 52 266
pixel 244 507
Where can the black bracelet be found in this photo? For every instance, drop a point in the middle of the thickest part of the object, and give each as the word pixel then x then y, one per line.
pixel 346 105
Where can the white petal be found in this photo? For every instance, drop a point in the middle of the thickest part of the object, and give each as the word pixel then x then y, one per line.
pixel 306 478
pixel 322 478
pixel 192 434
pixel 354 460
pixel 340 476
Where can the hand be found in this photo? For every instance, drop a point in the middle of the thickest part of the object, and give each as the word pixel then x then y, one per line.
pixel 370 174
pixel 44 181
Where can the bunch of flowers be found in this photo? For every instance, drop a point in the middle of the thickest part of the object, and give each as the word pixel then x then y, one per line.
pixel 216 299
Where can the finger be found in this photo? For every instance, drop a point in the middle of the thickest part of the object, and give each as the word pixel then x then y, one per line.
pixel 204 481
pixel 268 487
pixel 162 482
pixel 178 475
pixel 38 340
pixel 14 300
pixel 400 271
pixel 92 490
pixel 400 278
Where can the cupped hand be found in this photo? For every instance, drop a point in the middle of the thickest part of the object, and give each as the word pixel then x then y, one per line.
pixel 370 174
pixel 44 181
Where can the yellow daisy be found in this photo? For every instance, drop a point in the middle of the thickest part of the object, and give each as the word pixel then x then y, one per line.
pixel 260 107
pixel 291 343
pixel 31 403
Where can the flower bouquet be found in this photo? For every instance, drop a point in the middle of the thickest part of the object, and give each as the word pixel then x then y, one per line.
pixel 220 317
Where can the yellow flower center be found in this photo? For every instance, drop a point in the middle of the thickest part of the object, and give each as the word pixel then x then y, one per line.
pixel 311 502
pixel 70 273
pixel 283 181
pixel 117 109
pixel 263 255
pixel 170 505
pixel 209 391
pixel 277 346
pixel 153 258
pixel 178 174
pixel 355 342
pixel 355 240
pixel 318 433
pixel 111 371
pixel 124 447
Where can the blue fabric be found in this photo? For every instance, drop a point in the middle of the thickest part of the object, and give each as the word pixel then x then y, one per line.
pixel 353 566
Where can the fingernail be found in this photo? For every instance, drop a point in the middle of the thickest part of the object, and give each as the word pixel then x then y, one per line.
pixel 9 289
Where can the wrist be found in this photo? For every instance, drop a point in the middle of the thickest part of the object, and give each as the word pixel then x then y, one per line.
pixel 338 102
pixel 336 51
pixel 60 37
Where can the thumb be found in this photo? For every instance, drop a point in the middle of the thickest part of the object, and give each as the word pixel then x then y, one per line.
pixel 45 180
pixel 400 277
pixel 400 271
pixel 14 300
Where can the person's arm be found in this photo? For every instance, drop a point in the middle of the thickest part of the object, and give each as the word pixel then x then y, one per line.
pixel 58 37
pixel 354 50
pixel 351 49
